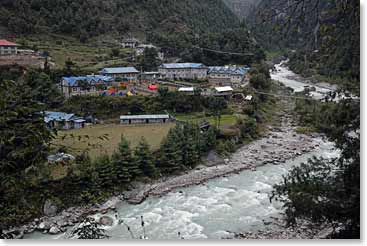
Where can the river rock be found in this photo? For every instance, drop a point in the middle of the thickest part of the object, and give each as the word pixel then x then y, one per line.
pixel 106 221
pixel 54 230
pixel 44 226
pixel 49 208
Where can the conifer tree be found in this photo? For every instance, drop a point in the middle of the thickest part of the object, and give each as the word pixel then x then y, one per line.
pixel 126 157
pixel 105 171
pixel 145 160
pixel 171 154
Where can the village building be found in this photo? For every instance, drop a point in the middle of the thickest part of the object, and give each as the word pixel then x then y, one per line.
pixel 130 43
pixel 183 71
pixel 223 91
pixel 145 119
pixel 128 74
pixel 8 48
pixel 63 121
pixel 187 90
pixel 227 75
pixel 84 85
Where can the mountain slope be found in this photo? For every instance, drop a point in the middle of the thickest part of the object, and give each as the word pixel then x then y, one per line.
pixel 96 17
pixel 242 8
pixel 324 33
pixel 178 26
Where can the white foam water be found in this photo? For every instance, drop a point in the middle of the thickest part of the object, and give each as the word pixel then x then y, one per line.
pixel 236 203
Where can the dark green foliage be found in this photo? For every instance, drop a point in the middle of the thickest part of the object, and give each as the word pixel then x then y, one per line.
pixel 89 229
pixel 149 61
pixel 170 158
pixel 144 158
pixel 24 137
pixel 105 172
pixel 123 163
pixel 190 146
pixel 184 146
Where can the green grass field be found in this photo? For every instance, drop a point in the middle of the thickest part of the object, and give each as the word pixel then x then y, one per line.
pixel 226 119
pixel 91 137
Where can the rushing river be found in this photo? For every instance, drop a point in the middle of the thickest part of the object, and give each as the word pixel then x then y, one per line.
pixel 284 75
pixel 237 203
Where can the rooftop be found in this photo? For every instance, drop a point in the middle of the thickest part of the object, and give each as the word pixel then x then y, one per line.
pixel 57 116
pixel 233 70
pixel 4 42
pixel 186 89
pixel 224 89
pixel 72 81
pixel 182 65
pixel 144 117
pixel 119 70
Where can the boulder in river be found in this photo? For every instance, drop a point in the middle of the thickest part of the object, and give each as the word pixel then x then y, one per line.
pixel 106 221
pixel 49 208
pixel 54 230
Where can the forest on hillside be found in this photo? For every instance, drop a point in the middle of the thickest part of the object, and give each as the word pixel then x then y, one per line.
pixel 323 34
pixel 181 28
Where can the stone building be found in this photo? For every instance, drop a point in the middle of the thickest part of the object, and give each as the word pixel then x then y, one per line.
pixel 183 71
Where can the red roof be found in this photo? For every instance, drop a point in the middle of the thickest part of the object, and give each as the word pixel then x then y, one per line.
pixel 4 42
pixel 153 87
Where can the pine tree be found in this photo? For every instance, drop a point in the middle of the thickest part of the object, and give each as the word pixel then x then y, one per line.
pixel 105 171
pixel 145 160
pixel 127 159
pixel 121 168
pixel 170 159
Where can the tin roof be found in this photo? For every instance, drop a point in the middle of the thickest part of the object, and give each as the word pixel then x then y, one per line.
pixel 72 81
pixel 144 117
pixel 232 70
pixel 186 89
pixel 224 89
pixel 57 116
pixel 4 42
pixel 182 65
pixel 119 70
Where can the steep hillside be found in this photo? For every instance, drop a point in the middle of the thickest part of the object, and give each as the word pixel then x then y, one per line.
pixel 179 27
pixel 325 34
pixel 96 17
pixel 242 8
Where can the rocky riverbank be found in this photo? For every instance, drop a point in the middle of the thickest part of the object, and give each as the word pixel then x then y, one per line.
pixel 278 231
pixel 279 145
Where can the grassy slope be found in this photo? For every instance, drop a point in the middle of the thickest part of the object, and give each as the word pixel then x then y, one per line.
pixel 91 56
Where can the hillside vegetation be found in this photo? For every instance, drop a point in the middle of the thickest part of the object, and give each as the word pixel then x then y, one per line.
pixel 324 34
pixel 181 28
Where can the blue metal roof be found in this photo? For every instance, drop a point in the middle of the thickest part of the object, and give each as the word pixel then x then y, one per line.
pixel 233 70
pixel 182 65
pixel 72 81
pixel 57 116
pixel 119 70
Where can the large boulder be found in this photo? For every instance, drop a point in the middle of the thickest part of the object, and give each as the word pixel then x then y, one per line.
pixel 106 221
pixel 45 225
pixel 49 208
pixel 54 230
